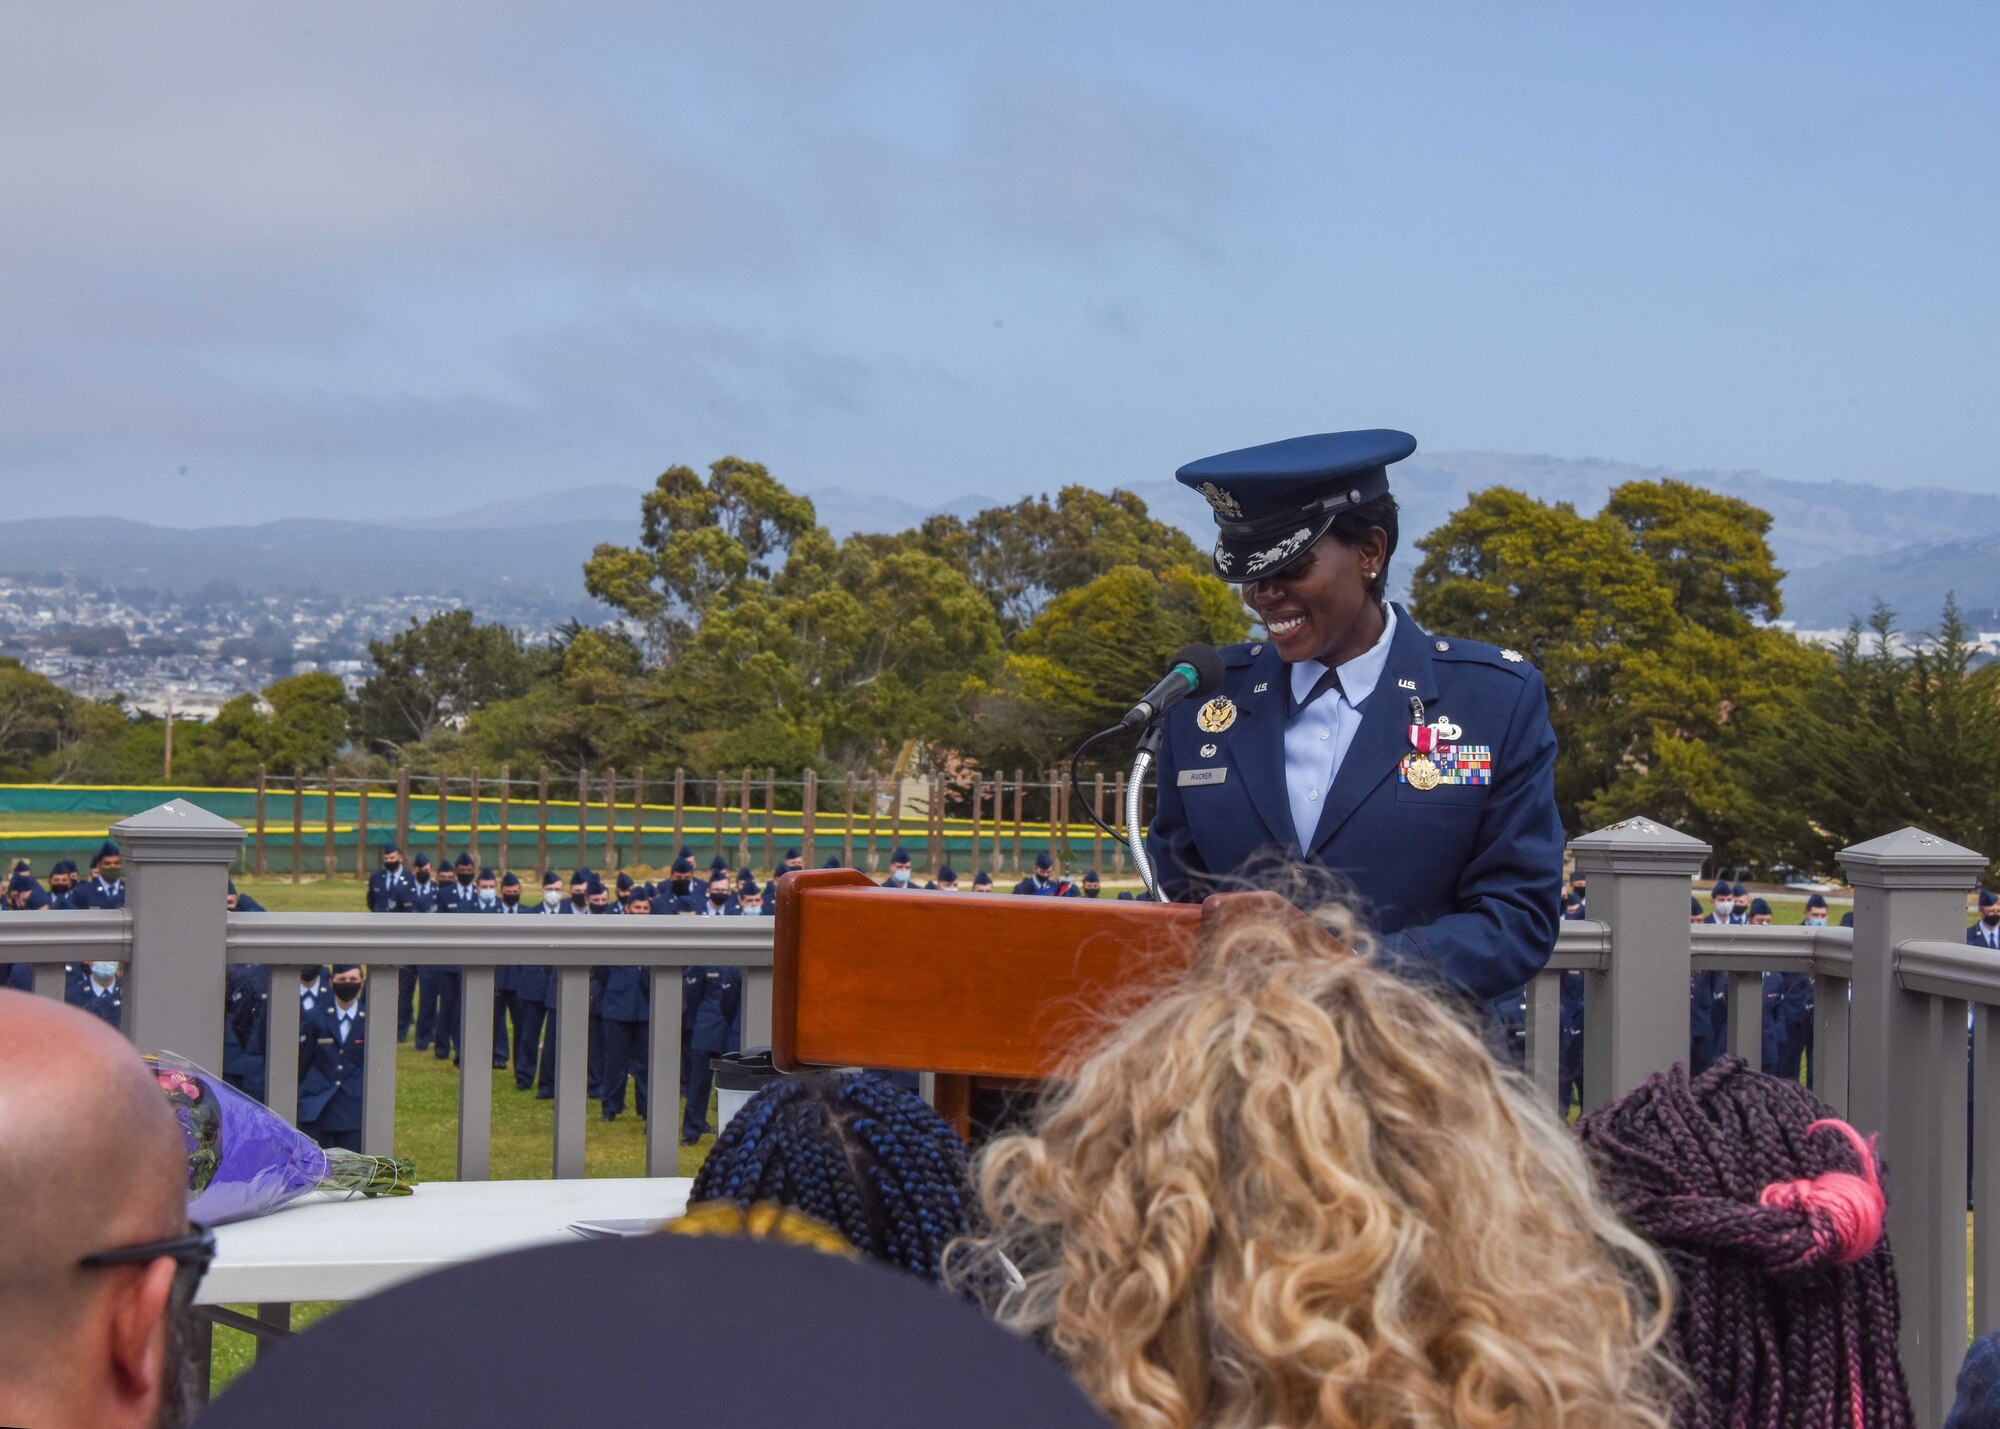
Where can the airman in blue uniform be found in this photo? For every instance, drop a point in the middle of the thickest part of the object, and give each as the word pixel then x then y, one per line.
pixel 1708 998
pixel 1416 766
pixel 106 888
pixel 711 1000
pixel 1042 883
pixel 899 871
pixel 332 1047
pixel 97 988
pixel 63 891
pixel 506 980
pixel 624 997
pixel 461 895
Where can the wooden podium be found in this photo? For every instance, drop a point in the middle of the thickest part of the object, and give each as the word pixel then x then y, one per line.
pixel 979 989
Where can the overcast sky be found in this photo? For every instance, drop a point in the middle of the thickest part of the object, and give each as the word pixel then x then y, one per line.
pixel 267 260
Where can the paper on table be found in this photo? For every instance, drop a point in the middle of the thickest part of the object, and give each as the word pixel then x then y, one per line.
pixel 611 1230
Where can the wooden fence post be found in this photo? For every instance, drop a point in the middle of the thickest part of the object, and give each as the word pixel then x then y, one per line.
pixel 298 825
pixel 847 826
pixel 403 809
pixel 582 818
pixel 896 816
pixel 680 801
pixel 611 819
pixel 542 821
pixel 1118 822
pixel 743 828
pixel 361 831
pixel 329 857
pixel 874 809
pixel 770 818
pixel 809 817
pixel 472 826
pixel 1096 829
pixel 262 780
pixel 721 802
pixel 444 819
pixel 639 816
pixel 1019 789
pixel 506 816
pixel 937 826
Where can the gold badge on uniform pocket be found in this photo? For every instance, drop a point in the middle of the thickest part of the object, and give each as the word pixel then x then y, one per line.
pixel 1216 716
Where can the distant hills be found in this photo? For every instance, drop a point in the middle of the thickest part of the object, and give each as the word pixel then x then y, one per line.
pixel 1843 544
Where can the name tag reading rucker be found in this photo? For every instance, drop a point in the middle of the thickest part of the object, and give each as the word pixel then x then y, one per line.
pixel 1202 776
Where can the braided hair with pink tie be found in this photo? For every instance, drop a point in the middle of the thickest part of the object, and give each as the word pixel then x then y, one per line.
pixel 1770 1213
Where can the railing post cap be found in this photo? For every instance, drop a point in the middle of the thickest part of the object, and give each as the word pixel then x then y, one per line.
pixel 1911 858
pixel 178 831
pixel 1638 845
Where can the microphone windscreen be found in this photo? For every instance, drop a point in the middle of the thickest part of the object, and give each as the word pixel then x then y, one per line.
pixel 1205 661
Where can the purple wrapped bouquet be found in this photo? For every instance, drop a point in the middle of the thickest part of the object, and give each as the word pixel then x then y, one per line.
pixel 244 1160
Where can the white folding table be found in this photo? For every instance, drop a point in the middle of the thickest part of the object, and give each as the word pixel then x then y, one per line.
pixel 328 1249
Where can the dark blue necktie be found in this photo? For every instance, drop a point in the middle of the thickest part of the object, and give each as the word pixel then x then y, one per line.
pixel 1329 680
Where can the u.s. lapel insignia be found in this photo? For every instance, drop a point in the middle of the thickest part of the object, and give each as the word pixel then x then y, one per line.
pixel 1406 684
pixel 1208 751
pixel 1259 689
pixel 1215 716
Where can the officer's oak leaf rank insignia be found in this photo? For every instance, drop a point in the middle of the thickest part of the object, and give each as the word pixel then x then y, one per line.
pixel 1222 501
pixel 1215 716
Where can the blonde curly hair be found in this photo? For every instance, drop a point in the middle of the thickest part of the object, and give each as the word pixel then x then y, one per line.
pixel 1290 1188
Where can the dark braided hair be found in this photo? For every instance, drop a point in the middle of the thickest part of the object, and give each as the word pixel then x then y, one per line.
pixel 853 1150
pixel 1787 1312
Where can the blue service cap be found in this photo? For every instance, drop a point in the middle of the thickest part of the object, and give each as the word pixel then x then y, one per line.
pixel 108 850
pixel 388 849
pixel 551 877
pixel 464 860
pixel 718 864
pixel 832 862
pixel 423 860
pixel 1722 889
pixel 1273 501
pixel 582 875
pixel 593 888
pixel 510 880
pixel 720 870
pixel 67 865
pixel 1694 905
pixel 1739 891
pixel 901 855
pixel 683 865
pixel 232 885
pixel 339 968
pixel 624 881
pixel 485 873
pixel 790 854
pixel 1987 898
pixel 1818 900
pixel 982 879
pixel 1759 908
pixel 749 887
pixel 946 871
pixel 1091 877
pixel 1043 862
pixel 21 883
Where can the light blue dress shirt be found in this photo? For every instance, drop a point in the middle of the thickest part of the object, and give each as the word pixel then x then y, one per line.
pixel 1317 737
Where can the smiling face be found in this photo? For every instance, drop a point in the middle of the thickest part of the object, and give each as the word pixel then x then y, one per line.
pixel 1318 607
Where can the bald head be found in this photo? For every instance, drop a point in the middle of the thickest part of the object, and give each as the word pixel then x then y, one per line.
pixel 91 1158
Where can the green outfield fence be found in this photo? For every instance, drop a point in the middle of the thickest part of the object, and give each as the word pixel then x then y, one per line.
pixel 330 827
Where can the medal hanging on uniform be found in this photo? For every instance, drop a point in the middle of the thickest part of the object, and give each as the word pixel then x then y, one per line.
pixel 1419 768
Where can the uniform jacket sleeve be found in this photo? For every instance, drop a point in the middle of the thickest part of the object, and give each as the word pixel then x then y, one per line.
pixel 1170 844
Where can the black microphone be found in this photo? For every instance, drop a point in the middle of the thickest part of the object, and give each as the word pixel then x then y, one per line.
pixel 1196 670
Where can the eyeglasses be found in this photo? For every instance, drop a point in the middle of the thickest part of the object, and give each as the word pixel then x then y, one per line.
pixel 191 1254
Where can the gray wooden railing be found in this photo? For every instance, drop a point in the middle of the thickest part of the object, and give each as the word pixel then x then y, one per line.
pixel 1893 999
